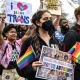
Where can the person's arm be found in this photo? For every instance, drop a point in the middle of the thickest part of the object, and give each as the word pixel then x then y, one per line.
pixel 1 29
pixel 30 70
pixel 57 18
pixel 25 71
pixel 41 4
pixel 27 34
pixel 56 21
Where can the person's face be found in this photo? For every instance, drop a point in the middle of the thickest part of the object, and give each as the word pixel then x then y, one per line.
pixel 78 16
pixel 52 72
pixel 12 34
pixel 45 17
pixel 49 51
pixel 44 49
pixel 23 27
pixel 66 58
pixel 64 23
pixel 61 55
pixel 48 55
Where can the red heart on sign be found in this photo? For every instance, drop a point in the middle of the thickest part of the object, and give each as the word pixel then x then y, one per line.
pixel 21 6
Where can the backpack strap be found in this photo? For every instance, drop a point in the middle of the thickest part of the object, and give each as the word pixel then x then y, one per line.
pixel 5 50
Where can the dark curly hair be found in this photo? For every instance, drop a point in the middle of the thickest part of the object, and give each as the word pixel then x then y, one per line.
pixel 9 27
pixel 36 17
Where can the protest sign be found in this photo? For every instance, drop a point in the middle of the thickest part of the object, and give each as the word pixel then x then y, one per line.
pixel 56 65
pixel 18 12
pixel 54 6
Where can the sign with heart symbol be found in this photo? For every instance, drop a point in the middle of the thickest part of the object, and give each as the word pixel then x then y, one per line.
pixel 19 19
pixel 18 12
pixel 21 6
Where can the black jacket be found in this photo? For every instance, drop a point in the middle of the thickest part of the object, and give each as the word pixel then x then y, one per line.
pixel 70 39
pixel 28 71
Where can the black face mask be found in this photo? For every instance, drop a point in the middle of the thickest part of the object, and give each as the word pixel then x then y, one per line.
pixel 47 25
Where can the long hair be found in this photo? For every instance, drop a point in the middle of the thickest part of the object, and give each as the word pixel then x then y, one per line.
pixel 36 17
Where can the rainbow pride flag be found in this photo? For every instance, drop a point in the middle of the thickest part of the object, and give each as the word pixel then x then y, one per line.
pixel 72 49
pixel 75 51
pixel 75 60
pixel 76 54
pixel 27 58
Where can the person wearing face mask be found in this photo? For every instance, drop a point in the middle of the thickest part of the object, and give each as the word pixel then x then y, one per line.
pixel 42 35
pixel 64 28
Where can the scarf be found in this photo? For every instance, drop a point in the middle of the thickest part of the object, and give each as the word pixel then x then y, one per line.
pixel 8 53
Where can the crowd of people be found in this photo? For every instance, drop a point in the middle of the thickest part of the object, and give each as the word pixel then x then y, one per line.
pixel 15 40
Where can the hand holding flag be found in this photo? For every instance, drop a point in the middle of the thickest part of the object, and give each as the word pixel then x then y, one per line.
pixel 27 58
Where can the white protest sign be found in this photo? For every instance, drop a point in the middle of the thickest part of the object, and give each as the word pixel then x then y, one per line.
pixel 54 6
pixel 57 65
pixel 18 12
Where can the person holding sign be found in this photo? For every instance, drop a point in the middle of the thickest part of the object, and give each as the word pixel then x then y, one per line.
pixel 58 16
pixel 10 51
pixel 42 35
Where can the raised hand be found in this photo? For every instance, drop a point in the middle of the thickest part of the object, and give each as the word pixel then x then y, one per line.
pixel 2 17
pixel 2 20
pixel 41 4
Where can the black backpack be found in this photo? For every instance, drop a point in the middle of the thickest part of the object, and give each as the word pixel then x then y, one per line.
pixel 77 35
